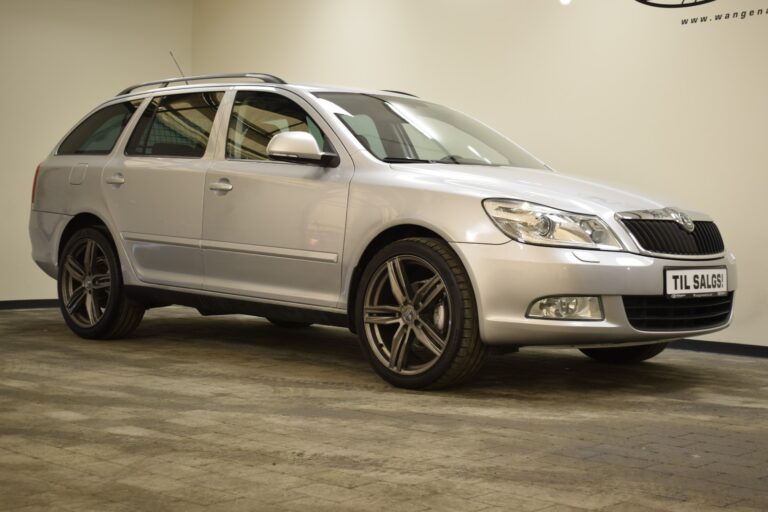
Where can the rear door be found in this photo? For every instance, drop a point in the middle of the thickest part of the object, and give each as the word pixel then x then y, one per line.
pixel 274 230
pixel 154 191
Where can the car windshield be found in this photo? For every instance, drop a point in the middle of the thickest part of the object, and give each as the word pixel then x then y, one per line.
pixel 404 130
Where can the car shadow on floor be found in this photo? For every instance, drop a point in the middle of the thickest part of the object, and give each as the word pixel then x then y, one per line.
pixel 568 371
pixel 530 373
pixel 535 370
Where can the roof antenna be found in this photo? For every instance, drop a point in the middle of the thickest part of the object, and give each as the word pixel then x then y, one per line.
pixel 178 67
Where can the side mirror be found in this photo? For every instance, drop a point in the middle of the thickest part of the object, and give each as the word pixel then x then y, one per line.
pixel 299 147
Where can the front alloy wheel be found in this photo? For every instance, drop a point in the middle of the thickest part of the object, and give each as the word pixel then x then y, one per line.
pixel 407 315
pixel 416 314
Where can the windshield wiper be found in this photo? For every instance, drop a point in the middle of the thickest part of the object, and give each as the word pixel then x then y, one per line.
pixel 398 160
pixel 449 159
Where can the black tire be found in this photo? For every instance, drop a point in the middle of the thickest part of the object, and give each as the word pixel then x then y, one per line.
pixel 463 351
pixel 625 355
pixel 287 324
pixel 114 315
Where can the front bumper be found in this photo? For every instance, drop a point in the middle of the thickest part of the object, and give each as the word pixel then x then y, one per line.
pixel 506 278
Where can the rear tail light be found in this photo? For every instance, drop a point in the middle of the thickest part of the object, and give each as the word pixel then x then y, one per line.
pixel 34 184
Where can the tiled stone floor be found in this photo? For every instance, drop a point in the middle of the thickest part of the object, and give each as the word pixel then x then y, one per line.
pixel 231 414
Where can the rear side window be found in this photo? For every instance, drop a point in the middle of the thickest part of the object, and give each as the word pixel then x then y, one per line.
pixel 259 116
pixel 175 126
pixel 98 134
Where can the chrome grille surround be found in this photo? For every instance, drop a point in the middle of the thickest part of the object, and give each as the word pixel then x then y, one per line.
pixel 668 215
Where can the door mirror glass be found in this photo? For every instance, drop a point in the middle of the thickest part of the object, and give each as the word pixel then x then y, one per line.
pixel 300 147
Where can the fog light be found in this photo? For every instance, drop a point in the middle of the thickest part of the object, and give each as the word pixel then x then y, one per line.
pixel 567 308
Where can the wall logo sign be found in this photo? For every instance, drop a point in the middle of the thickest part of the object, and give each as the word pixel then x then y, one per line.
pixel 709 18
pixel 672 4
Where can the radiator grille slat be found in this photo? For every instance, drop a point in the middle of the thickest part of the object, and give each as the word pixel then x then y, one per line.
pixel 660 313
pixel 668 237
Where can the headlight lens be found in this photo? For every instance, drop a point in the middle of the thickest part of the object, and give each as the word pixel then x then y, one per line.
pixel 532 223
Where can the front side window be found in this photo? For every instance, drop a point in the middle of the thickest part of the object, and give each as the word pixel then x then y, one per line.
pixel 98 134
pixel 405 130
pixel 259 116
pixel 175 126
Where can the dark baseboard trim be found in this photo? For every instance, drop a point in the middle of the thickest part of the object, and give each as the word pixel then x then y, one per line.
pixel 28 304
pixel 717 347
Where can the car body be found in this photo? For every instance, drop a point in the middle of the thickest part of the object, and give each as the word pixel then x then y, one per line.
pixel 231 227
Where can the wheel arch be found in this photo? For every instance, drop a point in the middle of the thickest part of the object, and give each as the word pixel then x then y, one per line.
pixel 381 240
pixel 78 222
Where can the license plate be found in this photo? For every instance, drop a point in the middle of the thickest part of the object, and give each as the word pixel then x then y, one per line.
pixel 696 282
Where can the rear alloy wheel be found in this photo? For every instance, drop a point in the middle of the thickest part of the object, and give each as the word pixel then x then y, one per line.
pixel 625 355
pixel 91 294
pixel 416 316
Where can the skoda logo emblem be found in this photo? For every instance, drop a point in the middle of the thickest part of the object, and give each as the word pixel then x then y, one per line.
pixel 682 219
pixel 674 3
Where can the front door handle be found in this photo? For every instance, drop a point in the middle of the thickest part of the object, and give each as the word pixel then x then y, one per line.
pixel 221 186
pixel 116 179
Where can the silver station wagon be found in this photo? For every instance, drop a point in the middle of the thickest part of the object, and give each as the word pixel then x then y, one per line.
pixel 430 235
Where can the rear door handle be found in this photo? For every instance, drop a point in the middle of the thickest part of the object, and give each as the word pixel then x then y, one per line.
pixel 221 186
pixel 116 179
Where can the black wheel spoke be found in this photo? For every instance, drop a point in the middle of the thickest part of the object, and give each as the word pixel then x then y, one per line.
pixel 382 315
pixel 428 292
pixel 399 352
pixel 74 268
pixel 89 257
pixel 101 281
pixel 398 280
pixel 92 309
pixel 429 338
pixel 75 300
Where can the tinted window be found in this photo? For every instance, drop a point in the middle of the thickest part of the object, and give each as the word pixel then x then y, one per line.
pixel 259 116
pixel 98 134
pixel 175 126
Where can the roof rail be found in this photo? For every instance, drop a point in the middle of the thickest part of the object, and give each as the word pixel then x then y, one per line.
pixel 269 79
pixel 400 92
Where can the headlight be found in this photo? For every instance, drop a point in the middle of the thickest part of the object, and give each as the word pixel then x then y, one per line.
pixel 532 223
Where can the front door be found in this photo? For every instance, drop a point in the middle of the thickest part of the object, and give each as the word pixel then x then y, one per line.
pixel 274 230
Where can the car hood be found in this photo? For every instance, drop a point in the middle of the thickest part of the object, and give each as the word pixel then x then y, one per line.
pixel 545 187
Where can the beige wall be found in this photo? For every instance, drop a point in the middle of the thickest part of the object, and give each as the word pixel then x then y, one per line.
pixel 58 60
pixel 608 89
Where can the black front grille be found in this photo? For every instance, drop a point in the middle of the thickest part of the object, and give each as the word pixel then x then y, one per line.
pixel 660 313
pixel 668 237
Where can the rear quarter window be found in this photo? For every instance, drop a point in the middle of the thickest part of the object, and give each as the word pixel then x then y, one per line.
pixel 99 132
